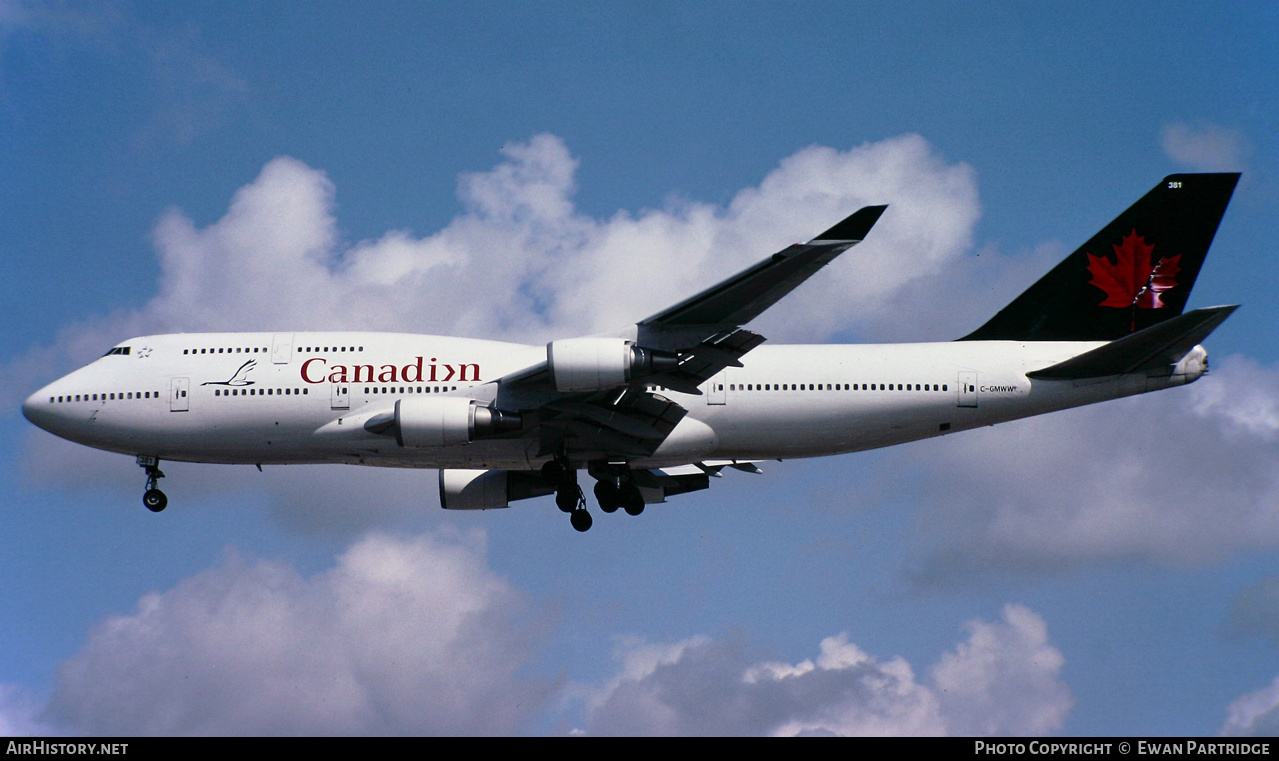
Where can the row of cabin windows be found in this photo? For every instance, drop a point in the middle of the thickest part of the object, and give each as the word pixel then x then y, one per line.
pixel 409 389
pixel 836 387
pixel 311 349
pixel 297 391
pixel 259 391
pixel 236 350
pixel 253 350
pixel 104 397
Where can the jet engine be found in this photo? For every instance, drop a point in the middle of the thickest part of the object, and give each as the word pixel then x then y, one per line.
pixel 595 363
pixel 439 421
pixel 486 489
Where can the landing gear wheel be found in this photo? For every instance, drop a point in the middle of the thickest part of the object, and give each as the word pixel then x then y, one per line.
pixel 632 500
pixel 566 499
pixel 581 519
pixel 563 476
pixel 607 495
pixel 555 471
pixel 155 500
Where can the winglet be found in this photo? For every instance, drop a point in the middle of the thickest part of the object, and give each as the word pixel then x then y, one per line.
pixel 854 227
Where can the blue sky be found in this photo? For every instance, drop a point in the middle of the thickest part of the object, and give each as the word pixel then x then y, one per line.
pixel 537 170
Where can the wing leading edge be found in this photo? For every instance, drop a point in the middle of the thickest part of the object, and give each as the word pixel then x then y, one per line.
pixel 615 411
pixel 744 296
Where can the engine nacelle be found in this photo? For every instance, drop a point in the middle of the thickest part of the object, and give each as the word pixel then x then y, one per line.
pixel 439 421
pixel 435 421
pixel 595 363
pixel 462 489
pixel 473 489
pixel 589 364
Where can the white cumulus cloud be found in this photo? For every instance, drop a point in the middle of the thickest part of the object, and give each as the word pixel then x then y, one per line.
pixel 20 714
pixel 1003 680
pixel 402 636
pixel 1255 714
pixel 1204 147
pixel 520 262
pixel 1179 477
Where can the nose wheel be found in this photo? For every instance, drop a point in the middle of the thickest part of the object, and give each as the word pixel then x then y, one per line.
pixel 153 499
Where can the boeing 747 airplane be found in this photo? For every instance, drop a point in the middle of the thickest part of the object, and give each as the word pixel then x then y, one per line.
pixel 665 404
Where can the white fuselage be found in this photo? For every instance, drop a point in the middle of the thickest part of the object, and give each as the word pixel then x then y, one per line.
pixel 305 397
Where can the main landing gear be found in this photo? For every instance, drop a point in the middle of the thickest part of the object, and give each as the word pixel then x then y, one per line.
pixel 152 498
pixel 614 488
pixel 614 491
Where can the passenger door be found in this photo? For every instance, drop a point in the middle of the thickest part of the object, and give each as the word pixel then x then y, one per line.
pixel 340 399
pixel 178 399
pixel 967 389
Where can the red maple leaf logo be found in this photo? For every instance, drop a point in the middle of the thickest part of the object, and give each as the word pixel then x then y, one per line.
pixel 1131 280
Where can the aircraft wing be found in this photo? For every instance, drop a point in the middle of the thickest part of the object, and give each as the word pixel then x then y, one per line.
pixel 701 335
pixel 601 395
pixel 744 296
pixel 630 424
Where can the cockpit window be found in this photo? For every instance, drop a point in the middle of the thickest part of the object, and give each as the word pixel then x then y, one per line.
pixel 118 350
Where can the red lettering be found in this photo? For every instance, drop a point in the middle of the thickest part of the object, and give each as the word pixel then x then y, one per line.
pixel 410 373
pixel 307 364
pixel 404 372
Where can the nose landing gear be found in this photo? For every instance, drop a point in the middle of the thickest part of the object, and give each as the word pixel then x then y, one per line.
pixel 568 495
pixel 154 499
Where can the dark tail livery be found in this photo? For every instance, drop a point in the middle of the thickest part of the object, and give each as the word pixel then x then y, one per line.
pixel 1135 273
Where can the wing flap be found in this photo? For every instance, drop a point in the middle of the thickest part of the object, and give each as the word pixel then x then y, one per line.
pixel 633 423
pixel 706 359
pixel 670 484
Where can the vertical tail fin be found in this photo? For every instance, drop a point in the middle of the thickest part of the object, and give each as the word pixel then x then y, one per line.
pixel 1136 272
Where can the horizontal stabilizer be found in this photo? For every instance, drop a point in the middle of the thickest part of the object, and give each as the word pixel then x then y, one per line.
pixel 1161 344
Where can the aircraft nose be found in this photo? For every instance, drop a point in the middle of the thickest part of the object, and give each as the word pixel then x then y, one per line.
pixel 30 408
pixel 39 410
